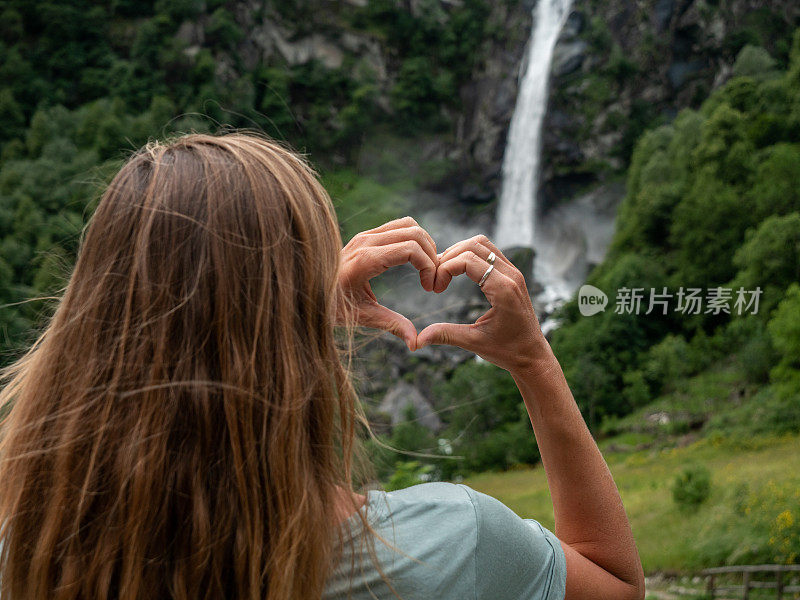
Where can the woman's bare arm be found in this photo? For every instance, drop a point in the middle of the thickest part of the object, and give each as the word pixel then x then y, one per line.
pixel 602 561
pixel 590 519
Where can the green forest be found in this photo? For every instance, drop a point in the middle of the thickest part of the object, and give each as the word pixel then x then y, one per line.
pixel 84 84
pixel 712 201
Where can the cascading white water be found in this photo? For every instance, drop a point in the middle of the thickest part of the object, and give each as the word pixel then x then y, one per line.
pixel 559 262
pixel 516 213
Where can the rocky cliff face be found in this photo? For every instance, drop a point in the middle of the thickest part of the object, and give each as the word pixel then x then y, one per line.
pixel 479 118
pixel 620 66
pixel 626 65
pixel 488 103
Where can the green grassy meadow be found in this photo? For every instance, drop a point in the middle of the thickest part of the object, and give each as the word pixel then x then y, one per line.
pixel 752 513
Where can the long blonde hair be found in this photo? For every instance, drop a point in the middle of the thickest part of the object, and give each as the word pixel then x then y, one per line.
pixel 182 426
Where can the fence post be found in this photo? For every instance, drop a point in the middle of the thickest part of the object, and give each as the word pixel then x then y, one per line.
pixel 746 585
pixel 710 587
pixel 779 584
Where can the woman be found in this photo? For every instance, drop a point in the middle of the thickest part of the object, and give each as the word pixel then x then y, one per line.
pixel 185 428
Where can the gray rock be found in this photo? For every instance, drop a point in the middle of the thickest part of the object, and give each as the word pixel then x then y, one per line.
pixel 191 33
pixel 680 72
pixel 574 25
pixel 402 395
pixel 521 257
pixel 568 57
pixel 662 14
pixel 472 193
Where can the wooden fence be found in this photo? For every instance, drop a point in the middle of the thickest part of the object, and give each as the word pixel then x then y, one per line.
pixel 748 583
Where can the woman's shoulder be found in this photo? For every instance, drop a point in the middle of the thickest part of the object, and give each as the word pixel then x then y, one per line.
pixel 463 531
pixel 445 495
pixel 423 502
pixel 438 491
pixel 431 499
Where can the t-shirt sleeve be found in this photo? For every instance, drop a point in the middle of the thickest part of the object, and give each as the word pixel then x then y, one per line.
pixel 515 558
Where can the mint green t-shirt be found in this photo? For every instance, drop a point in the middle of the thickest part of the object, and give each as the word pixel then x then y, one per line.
pixel 454 544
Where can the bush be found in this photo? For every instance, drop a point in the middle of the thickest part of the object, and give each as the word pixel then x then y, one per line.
pixel 667 363
pixel 770 259
pixel 222 29
pixel 785 536
pixel 407 474
pixel 756 356
pixel 692 487
pixel 784 327
pixel 636 391
pixel 421 89
pixel 776 183
pixel 178 10
pixel 781 414
pixel 755 62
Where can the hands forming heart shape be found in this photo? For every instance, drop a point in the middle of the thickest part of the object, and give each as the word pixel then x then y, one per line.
pixel 507 334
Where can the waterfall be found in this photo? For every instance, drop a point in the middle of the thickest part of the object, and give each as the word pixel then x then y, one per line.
pixel 517 212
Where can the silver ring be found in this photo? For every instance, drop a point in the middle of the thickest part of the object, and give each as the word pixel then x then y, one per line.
pixel 491 258
pixel 485 275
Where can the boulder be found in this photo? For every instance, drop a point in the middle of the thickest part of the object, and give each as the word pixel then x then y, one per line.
pixel 568 57
pixel 662 14
pixel 573 26
pixel 402 395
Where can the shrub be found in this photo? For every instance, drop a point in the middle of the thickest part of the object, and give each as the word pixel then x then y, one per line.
pixel 692 487
pixel 667 363
pixel 784 327
pixel 785 536
pixel 407 474
pixel 776 183
pixel 753 61
pixel 781 413
pixel 756 356
pixel 222 29
pixel 770 259
pixel 421 89
pixel 178 10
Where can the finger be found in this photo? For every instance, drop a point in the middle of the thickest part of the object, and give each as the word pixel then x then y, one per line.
pixel 481 246
pixel 378 316
pixel 450 334
pixel 403 234
pixel 475 267
pixel 379 258
pixel 396 224
pixel 485 241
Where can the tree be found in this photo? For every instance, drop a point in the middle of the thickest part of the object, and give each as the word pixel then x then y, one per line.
pixel 784 327
pixel 755 62
pixel 776 185
pixel 770 258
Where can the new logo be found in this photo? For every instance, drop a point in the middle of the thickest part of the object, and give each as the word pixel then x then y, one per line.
pixel 591 300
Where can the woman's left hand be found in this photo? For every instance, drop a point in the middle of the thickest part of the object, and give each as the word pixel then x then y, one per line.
pixel 372 252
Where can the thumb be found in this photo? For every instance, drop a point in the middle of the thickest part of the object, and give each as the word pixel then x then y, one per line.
pixel 380 317
pixel 450 334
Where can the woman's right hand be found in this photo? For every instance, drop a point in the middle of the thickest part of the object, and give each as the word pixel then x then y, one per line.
pixel 508 334
pixel 372 252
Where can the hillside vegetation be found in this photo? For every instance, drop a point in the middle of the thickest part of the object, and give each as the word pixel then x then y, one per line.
pixel 713 201
pixel 752 515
